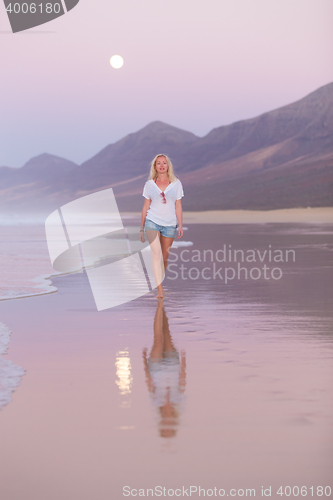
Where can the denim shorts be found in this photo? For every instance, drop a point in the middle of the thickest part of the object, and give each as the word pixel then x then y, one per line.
pixel 167 231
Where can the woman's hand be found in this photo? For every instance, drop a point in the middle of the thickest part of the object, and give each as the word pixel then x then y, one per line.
pixel 142 236
pixel 180 232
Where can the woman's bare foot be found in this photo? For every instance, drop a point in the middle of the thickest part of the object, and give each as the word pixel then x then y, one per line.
pixel 160 293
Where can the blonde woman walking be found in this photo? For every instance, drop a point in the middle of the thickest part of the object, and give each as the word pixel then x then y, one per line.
pixel 162 213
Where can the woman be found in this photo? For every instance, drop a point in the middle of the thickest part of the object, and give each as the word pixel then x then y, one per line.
pixel 162 208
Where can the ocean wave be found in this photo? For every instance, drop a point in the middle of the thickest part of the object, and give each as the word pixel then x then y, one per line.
pixel 177 244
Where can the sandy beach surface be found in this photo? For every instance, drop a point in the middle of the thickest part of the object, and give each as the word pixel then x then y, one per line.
pixel 226 383
pixel 317 215
pixel 320 215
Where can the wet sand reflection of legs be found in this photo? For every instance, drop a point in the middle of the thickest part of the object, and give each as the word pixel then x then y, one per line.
pixel 163 345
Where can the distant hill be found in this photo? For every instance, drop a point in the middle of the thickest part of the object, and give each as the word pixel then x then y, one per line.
pixel 43 167
pixel 280 159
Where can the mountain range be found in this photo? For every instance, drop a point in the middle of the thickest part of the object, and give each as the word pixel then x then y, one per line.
pixel 280 159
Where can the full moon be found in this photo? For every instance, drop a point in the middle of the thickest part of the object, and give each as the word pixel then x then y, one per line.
pixel 116 62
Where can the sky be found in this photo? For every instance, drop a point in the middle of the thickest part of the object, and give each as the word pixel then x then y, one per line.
pixel 193 64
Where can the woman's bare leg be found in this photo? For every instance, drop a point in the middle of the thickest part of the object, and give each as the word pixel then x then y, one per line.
pixel 154 238
pixel 166 244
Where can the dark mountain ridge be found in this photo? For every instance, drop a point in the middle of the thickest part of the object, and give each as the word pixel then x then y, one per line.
pixel 281 158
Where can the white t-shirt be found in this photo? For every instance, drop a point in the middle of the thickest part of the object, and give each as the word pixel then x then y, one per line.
pixel 161 213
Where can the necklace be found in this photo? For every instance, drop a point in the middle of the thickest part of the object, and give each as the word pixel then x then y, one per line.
pixel 162 193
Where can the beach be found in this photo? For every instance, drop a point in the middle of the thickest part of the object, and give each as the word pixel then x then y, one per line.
pixel 310 215
pixel 226 384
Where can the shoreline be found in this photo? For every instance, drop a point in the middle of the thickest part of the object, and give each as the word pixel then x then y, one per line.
pixel 321 215
pixel 317 215
pixel 311 215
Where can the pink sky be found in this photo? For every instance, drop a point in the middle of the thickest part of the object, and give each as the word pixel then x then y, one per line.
pixel 195 65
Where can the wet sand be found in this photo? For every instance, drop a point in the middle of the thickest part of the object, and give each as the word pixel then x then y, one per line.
pixel 248 405
pixel 25 263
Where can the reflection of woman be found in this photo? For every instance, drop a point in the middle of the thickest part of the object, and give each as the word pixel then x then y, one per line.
pixel 165 374
pixel 162 209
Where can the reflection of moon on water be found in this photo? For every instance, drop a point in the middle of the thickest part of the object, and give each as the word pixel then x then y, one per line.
pixel 116 62
pixel 10 374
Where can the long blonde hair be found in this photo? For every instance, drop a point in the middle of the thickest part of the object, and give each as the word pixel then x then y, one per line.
pixel 153 172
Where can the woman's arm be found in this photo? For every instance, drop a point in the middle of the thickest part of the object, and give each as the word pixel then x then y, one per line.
pixel 179 215
pixel 145 209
